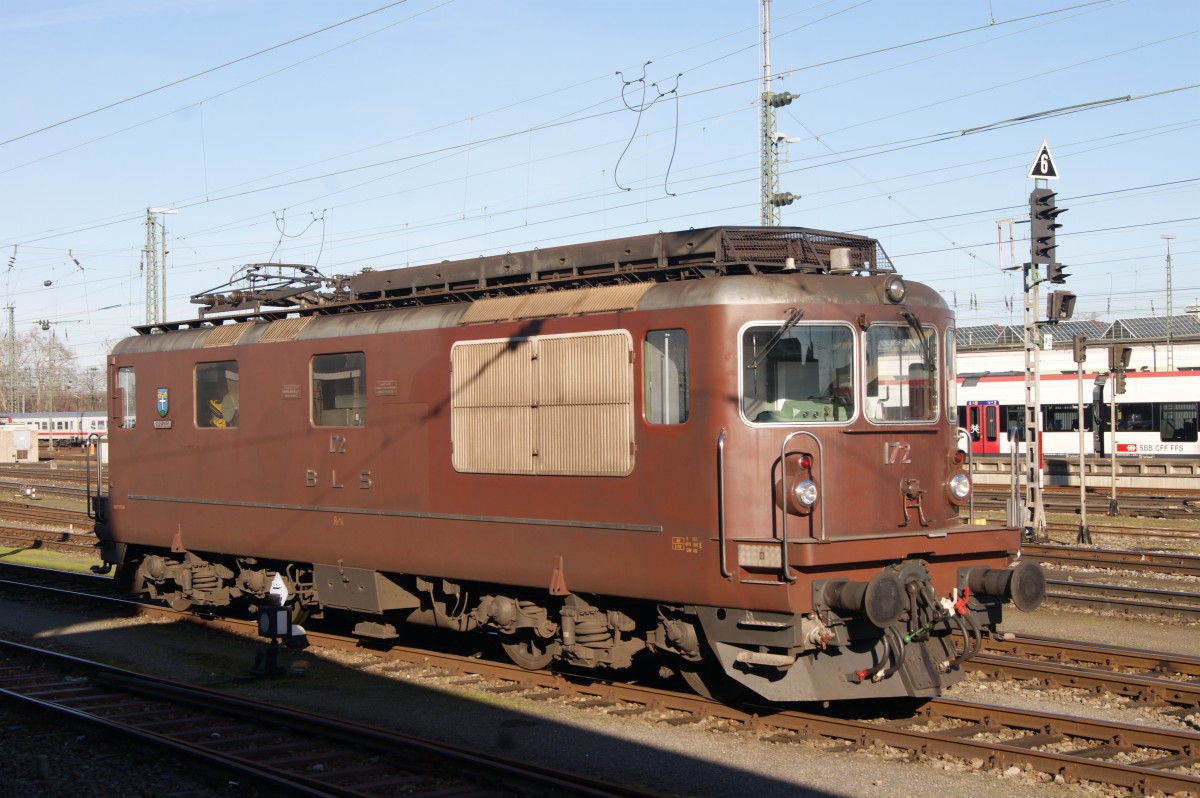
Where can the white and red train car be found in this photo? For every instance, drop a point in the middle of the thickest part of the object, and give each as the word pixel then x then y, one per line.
pixel 1157 416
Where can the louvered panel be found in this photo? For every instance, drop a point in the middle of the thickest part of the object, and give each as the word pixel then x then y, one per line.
pixel 284 329
pixel 493 440
pixel 492 374
pixel 226 334
pixel 594 368
pixel 612 298
pixel 491 310
pixel 585 440
pixel 551 303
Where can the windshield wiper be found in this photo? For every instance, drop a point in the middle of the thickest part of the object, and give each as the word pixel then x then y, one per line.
pixel 793 317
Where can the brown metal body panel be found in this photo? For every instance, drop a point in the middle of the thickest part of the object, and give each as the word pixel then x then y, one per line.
pixel 386 495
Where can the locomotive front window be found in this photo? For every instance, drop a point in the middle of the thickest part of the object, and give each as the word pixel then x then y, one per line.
pixel 217 394
pixel 339 392
pixel 665 360
pixel 802 375
pixel 901 373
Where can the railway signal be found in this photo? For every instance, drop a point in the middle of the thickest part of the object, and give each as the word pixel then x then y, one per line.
pixel 1079 348
pixel 1119 356
pixel 1043 213
pixel 1060 306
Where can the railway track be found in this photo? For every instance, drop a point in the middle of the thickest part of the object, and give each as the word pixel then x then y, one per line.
pixel 298 752
pixel 1147 562
pixel 1158 504
pixel 1123 599
pixel 1144 677
pixel 1134 757
pixel 1126 531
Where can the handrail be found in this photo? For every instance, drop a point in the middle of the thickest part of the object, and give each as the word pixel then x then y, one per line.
pixel 93 444
pixel 970 470
pixel 787 574
pixel 721 503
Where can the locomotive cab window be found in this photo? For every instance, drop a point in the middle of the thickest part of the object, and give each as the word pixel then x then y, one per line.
pixel 901 373
pixel 801 375
pixel 665 382
pixel 339 394
pixel 127 386
pixel 218 394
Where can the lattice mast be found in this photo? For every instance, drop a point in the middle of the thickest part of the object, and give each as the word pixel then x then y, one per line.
pixel 772 215
pixel 150 268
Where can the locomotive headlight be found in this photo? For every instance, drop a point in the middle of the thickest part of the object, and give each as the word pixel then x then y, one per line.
pixel 960 487
pixel 805 492
pixel 895 289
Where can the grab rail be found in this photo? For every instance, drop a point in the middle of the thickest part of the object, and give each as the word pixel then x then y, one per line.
pixel 970 470
pixel 93 448
pixel 725 572
pixel 787 574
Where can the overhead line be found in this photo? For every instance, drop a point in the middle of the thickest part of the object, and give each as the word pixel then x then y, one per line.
pixel 202 72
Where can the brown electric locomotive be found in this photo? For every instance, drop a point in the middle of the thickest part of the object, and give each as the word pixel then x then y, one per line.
pixel 734 449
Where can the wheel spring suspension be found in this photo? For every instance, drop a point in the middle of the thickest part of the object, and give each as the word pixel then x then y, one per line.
pixel 205 583
pixel 591 630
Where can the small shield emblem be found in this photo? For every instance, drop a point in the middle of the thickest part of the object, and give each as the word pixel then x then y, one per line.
pixel 162 402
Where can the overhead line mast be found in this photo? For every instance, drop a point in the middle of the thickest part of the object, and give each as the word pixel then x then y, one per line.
pixel 771 200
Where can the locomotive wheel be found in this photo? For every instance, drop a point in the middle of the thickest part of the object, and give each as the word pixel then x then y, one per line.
pixel 530 652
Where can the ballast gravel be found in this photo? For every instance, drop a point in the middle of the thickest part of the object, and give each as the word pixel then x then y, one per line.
pixel 53 758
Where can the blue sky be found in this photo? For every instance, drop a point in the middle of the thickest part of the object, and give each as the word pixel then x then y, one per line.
pixel 437 129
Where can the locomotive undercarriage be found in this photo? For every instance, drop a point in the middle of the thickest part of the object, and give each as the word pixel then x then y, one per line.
pixel 890 637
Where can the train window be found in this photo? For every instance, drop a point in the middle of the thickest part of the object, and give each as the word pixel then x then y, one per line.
pixel 217 394
pixel 804 376
pixel 1177 421
pixel 1062 418
pixel 951 378
pixel 901 373
pixel 1135 417
pixel 127 385
pixel 339 392
pixel 665 376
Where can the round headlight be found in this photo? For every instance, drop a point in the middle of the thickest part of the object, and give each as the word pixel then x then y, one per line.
pixel 960 486
pixel 806 492
pixel 895 289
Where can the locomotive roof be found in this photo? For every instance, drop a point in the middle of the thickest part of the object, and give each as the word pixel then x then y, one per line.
pixel 660 257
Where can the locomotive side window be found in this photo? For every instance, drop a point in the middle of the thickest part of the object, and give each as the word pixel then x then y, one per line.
pixel 665 377
pixel 951 377
pixel 127 384
pixel 217 394
pixel 803 376
pixel 339 391
pixel 902 373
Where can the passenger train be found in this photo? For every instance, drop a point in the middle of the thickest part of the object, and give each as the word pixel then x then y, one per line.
pixel 65 428
pixel 1155 417
pixel 729 451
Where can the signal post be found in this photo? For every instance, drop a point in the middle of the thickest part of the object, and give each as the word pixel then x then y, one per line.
pixel 1043 215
